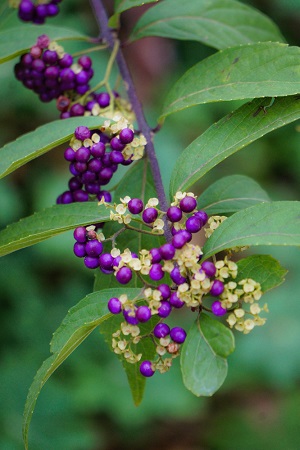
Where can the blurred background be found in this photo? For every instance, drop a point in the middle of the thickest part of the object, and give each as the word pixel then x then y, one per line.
pixel 86 405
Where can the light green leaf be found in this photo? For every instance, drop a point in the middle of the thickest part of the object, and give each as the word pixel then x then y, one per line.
pixel 217 23
pixel 81 320
pixel 230 134
pixel 124 5
pixel 48 223
pixel 203 356
pixel 267 69
pixel 264 269
pixel 273 223
pixel 15 41
pixel 31 145
pixel 230 194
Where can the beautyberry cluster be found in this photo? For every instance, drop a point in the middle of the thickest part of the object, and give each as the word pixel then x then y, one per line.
pixel 51 73
pixel 37 13
pixel 173 276
pixel 94 156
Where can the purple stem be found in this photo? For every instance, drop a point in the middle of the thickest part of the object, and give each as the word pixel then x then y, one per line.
pixel 108 35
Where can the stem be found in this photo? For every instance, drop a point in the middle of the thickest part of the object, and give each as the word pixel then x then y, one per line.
pixel 108 36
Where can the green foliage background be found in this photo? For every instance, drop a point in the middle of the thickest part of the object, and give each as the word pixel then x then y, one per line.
pixel 87 404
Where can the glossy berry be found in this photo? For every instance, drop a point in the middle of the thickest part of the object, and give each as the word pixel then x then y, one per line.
pixel 217 288
pixel 156 273
pixel 80 234
pixel 149 215
pixel 155 255
pixel 217 309
pixel 79 250
pixel 103 99
pixel 135 206
pixel 178 335
pixel 209 268
pixel 177 277
pixel 146 369
pixel 175 301
pixel 114 305
pixel 193 224
pixel 179 240
pixel 130 317
pixel 202 216
pixel 167 251
pixel 143 313
pixel 161 330
pixel 91 262
pixel 124 275
pixel 106 261
pixel 126 136
pixel 93 248
pixel 188 204
pixel 165 291
pixel 174 214
pixel 165 309
pixel 82 133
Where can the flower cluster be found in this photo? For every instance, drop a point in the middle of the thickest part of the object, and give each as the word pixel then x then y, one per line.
pixel 94 157
pixel 173 275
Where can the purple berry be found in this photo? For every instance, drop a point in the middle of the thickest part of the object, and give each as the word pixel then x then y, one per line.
pixel 149 215
pixel 130 317
pixel 178 335
pixel 124 275
pixel 106 195
pixel 93 248
pixel 165 309
pixel 80 234
pixel 167 251
pixel 188 204
pixel 116 157
pixel 114 305
pixel 193 224
pixel 209 268
pixel 103 99
pixel 202 216
pixel 82 133
pixel 146 369
pixel 143 313
pixel 177 277
pixel 175 301
pixel 217 309
pixel 82 154
pixel 116 144
pixel 66 197
pixel 79 250
pixel 174 214
pixel 98 150
pixel 77 110
pixel 135 206
pixel 126 136
pixel 80 196
pixel 85 62
pixel 165 291
pixel 91 262
pixel 161 330
pixel 106 261
pixel 156 273
pixel 155 255
pixel 217 288
pixel 179 240
pixel 66 61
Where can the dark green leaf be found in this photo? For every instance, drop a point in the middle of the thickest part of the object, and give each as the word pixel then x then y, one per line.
pixel 48 223
pixel 217 23
pixel 264 269
pixel 81 320
pixel 230 134
pixel 15 41
pixel 274 223
pixel 203 356
pixel 230 194
pixel 267 69
pixel 31 145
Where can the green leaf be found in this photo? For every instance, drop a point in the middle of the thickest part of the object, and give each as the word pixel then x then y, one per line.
pixel 266 69
pixel 48 223
pixel 217 23
pixel 123 5
pixel 136 381
pixel 31 145
pixel 81 320
pixel 203 356
pixel 18 40
pixel 264 269
pixel 230 194
pixel 274 223
pixel 230 134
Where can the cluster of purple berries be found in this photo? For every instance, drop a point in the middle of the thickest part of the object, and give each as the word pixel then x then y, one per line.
pixel 30 12
pixel 94 163
pixel 52 75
